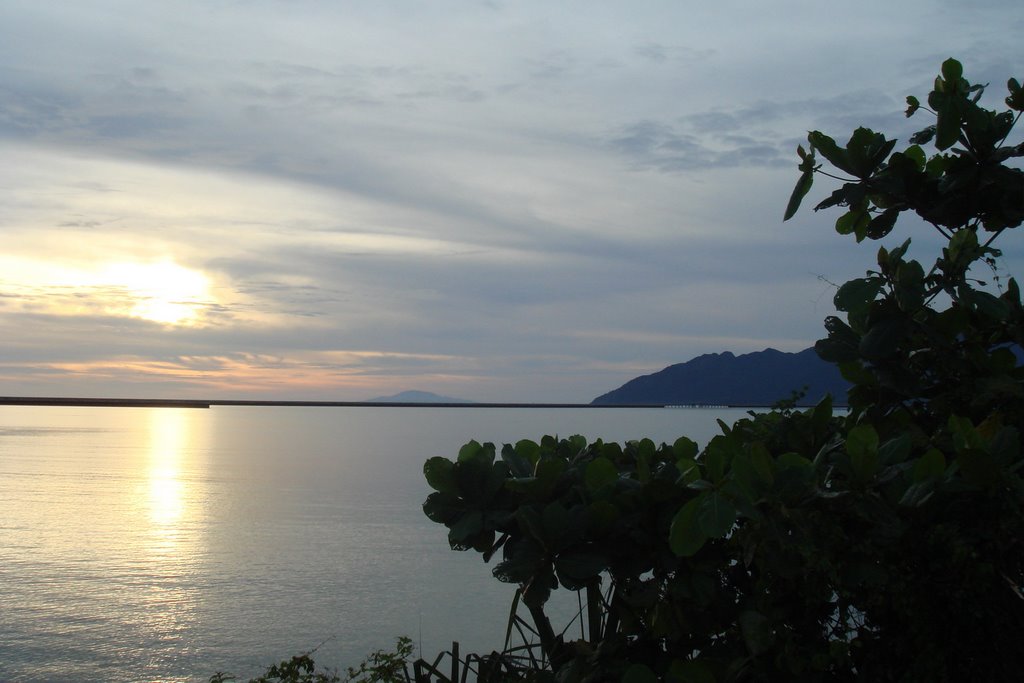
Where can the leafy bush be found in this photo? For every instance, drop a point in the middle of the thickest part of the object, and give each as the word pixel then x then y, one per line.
pixel 884 544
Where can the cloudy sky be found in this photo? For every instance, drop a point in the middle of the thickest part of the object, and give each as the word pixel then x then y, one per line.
pixel 522 201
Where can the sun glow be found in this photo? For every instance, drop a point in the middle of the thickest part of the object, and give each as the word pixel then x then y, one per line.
pixel 163 292
pixel 159 291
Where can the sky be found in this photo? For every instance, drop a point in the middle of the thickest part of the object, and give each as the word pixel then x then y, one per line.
pixel 496 201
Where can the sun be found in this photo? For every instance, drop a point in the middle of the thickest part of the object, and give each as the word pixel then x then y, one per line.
pixel 162 292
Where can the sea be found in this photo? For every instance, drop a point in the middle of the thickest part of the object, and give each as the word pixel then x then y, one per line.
pixel 167 544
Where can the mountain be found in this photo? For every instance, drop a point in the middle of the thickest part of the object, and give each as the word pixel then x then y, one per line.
pixel 417 397
pixel 751 379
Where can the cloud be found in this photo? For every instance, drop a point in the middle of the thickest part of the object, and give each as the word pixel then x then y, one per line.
pixel 510 200
pixel 755 135
pixel 660 53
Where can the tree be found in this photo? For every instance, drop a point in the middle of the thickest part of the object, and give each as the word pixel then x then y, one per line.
pixel 886 544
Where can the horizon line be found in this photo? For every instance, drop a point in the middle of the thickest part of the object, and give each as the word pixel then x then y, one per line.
pixel 210 403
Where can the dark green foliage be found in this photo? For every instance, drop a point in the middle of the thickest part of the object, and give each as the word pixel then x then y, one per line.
pixel 885 544
pixel 966 187
pixel 298 669
pixel 381 666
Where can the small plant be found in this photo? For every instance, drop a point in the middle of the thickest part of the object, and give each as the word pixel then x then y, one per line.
pixel 298 669
pixel 381 666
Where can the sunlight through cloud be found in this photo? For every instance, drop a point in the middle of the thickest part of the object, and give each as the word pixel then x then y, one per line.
pixel 162 292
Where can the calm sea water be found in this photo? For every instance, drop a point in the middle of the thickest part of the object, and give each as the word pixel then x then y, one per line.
pixel 166 544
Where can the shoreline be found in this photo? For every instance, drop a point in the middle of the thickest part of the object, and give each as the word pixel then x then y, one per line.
pixel 206 404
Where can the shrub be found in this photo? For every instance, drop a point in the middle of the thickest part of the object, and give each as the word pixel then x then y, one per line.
pixel 884 544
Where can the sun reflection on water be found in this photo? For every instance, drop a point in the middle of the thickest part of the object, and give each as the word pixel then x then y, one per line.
pixel 171 503
pixel 169 435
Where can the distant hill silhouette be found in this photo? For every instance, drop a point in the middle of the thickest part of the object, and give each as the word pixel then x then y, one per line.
pixel 752 379
pixel 417 397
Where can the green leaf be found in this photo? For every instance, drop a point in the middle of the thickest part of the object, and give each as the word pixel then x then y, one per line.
pixel 548 472
pixel 600 472
pixel 483 543
pixel 858 293
pixel 855 221
pixel 689 470
pixel 862 447
pixel 581 566
pixel 644 451
pixel 715 458
pixel 495 479
pixel 523 561
pixel 601 515
pixel 847 195
pixel 830 150
pixel 761 461
pixel 716 515
pixel 519 466
pixel 803 186
pixel 793 461
pixel 531 523
pixel 684 448
pixel 882 224
pixel 439 474
pixel 820 416
pixel 912 104
pixel 612 451
pixel 963 245
pixel 1015 100
pixel 855 373
pixel 990 305
pixel 923 136
pixel 841 345
pixel 917 155
pixel 794 478
pixel 952 70
pixel 965 436
pixel 745 484
pixel 930 465
pixel 918 494
pixel 555 520
pixel 895 450
pixel 685 536
pixel 752 471
pixel 947 123
pixel 443 508
pixel 639 673
pixel 883 339
pixel 472 449
pixel 529 450
pixel 465 528
pixel 866 150
pixel 862 439
pixel 577 443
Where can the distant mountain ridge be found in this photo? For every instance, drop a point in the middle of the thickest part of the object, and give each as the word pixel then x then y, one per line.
pixel 417 397
pixel 752 379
